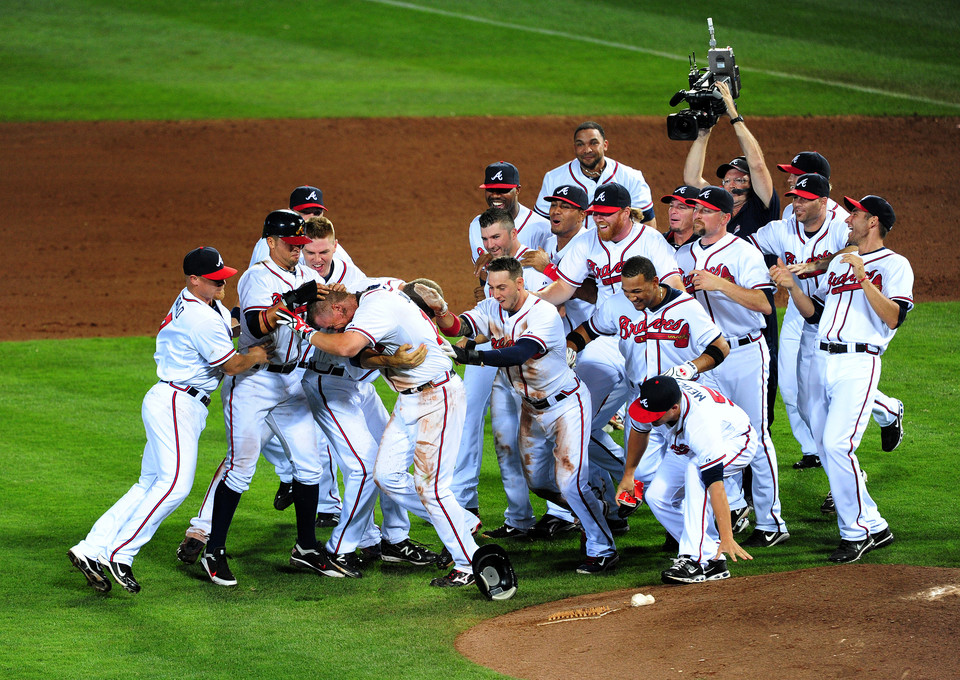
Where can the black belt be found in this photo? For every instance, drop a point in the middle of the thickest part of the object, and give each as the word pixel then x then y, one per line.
pixel 324 369
pixel 740 342
pixel 427 385
pixel 547 402
pixel 192 391
pixel 280 368
pixel 844 348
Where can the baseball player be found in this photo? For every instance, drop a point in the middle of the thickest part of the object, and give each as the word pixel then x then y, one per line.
pixel 501 189
pixel 729 278
pixel 708 438
pixel 659 331
pixel 592 170
pixel 425 426
pixel 860 303
pixel 680 215
pixel 599 254
pixel 528 346
pixel 269 400
pixel 194 351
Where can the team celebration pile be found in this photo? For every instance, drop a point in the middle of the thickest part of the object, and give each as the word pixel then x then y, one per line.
pixel 588 318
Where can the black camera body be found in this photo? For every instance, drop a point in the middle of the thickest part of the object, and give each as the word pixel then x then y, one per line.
pixel 706 103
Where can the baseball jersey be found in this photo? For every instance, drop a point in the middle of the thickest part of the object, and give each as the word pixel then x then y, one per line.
pixel 787 240
pixel 656 339
pixel 832 206
pixel 546 373
pixel 261 251
pixel 390 319
pixel 194 340
pixel 847 315
pixel 532 279
pixel 588 255
pixel 735 260
pixel 613 171
pixel 532 231
pixel 575 311
pixel 709 423
pixel 260 288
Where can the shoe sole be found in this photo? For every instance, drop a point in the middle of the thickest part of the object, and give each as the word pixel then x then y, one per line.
pixel 346 571
pixel 216 579
pixel 862 552
pixel 302 564
pixel 682 580
pixel 133 589
pixel 718 577
pixel 404 560
pixel 94 580
pixel 882 544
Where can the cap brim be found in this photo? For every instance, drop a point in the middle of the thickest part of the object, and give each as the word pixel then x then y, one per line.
pixel 802 194
pixel 692 201
pixel 565 200
pixel 222 274
pixel 300 207
pixel 670 198
pixel 791 169
pixel 296 240
pixel 853 204
pixel 499 186
pixel 603 209
pixel 642 415
pixel 726 167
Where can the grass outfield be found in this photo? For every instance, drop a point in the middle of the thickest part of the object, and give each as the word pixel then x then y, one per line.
pixel 71 445
pixel 173 59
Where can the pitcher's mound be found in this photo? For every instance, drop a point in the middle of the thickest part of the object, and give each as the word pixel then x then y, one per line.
pixel 853 621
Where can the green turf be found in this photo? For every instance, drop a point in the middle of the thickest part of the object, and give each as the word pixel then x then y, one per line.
pixel 111 59
pixel 71 444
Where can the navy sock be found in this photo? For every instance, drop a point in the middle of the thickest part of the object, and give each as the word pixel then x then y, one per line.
pixel 225 501
pixel 305 497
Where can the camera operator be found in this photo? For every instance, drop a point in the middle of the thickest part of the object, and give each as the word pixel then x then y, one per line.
pixel 754 200
pixel 754 204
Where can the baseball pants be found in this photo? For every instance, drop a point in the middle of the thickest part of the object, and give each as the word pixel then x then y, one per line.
pixel 424 431
pixel 792 377
pixel 173 421
pixel 505 421
pixel 478 383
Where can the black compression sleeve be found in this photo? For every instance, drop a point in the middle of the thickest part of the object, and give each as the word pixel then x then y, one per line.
pixel 903 312
pixel 514 355
pixel 253 323
pixel 712 474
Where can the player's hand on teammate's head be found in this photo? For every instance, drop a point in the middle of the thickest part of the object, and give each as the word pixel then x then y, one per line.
pixel 431 298
pixel 480 268
pixel 537 259
pixel 323 289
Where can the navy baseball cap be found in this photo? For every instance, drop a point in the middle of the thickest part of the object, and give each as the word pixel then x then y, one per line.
pixel 610 198
pixel 807 161
pixel 715 198
pixel 811 185
pixel 569 193
pixel 306 197
pixel 681 193
pixel 206 262
pixel 657 396
pixel 738 163
pixel 501 175
pixel 874 205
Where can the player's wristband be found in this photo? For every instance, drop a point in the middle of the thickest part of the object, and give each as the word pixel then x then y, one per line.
pixel 550 271
pixel 738 119
pixel 860 281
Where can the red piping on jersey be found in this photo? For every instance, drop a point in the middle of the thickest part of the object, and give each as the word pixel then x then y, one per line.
pixel 600 522
pixel 746 445
pixel 852 447
pixel 173 484
pixel 226 356
pixel 436 475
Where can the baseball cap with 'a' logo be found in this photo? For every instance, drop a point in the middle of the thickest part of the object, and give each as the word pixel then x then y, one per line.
pixel 501 175
pixel 715 198
pixel 609 198
pixel 306 197
pixel 571 194
pixel 810 186
pixel 206 262
pixel 657 396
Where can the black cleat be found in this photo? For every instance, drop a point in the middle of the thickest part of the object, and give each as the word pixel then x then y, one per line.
pixel 881 539
pixel 314 560
pixel 407 551
pixel 506 531
pixel 891 435
pixel 455 579
pixel 284 497
pixel 807 462
pixel 851 551
pixel 595 564
pixel 122 574
pixel 215 564
pixel 765 539
pixel 91 569
pixel 828 507
pixel 327 519
pixel 551 526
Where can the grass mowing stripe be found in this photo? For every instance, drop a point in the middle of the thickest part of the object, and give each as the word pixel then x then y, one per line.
pixel 664 55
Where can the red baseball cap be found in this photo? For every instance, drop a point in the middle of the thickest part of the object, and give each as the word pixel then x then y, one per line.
pixel 657 396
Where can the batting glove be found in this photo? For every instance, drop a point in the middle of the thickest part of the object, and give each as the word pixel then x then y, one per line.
pixel 571 357
pixel 297 325
pixel 684 371
pixel 466 356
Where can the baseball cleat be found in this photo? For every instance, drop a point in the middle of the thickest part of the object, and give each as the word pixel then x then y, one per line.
pixel 828 507
pixel 190 549
pixel 327 519
pixel 551 526
pixel 851 551
pixel 891 435
pixel 407 551
pixel 506 531
pixel 765 539
pixel 444 560
pixel 346 563
pixel 683 571
pixel 215 564
pixel 91 569
pixel 881 539
pixel 716 570
pixel 455 579
pixel 618 526
pixel 284 497
pixel 122 574
pixel 596 564
pixel 740 519
pixel 807 462
pixel 369 554
pixel 314 560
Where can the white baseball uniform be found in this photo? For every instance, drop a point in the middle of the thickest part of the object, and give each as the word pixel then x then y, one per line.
pixel 427 421
pixel 193 342
pixel 713 439
pixel 850 339
pixel 555 411
pixel 601 365
pixel 613 171
pixel 787 240
pixel 575 311
pixel 653 341
pixel 743 375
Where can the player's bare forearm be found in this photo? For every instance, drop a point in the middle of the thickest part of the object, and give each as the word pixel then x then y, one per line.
pixel 693 166
pixel 721 511
pixel 556 293
pixel 345 344
pixel 706 361
pixel 760 179
pixel 886 309
pixel 674 282
pixel 752 298
pixel 239 363
pixel 401 359
pixel 636 446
